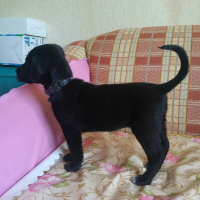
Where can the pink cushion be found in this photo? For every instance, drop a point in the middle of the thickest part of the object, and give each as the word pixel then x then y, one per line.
pixel 80 69
pixel 29 131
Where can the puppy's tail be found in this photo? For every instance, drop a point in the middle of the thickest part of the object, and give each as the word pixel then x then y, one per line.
pixel 166 87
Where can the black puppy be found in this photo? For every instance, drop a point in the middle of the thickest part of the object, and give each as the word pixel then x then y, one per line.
pixel 83 107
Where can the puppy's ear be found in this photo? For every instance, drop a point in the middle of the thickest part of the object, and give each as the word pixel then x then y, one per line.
pixel 60 69
pixel 39 72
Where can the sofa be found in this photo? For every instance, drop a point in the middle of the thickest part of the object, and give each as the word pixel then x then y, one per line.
pixel 111 159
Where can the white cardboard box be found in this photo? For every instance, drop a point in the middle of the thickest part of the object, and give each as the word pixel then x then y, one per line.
pixel 25 26
pixel 14 48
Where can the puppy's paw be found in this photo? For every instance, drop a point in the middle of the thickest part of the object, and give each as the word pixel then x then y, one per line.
pixel 68 158
pixel 140 181
pixel 72 167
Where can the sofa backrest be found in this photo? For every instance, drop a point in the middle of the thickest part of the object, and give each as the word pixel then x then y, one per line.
pixel 132 55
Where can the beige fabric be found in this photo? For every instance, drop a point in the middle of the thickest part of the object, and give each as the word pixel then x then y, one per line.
pixel 111 160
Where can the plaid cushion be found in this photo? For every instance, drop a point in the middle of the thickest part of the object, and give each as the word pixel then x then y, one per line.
pixel 132 55
pixel 75 51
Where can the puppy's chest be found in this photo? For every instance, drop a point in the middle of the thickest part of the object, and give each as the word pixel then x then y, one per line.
pixel 66 107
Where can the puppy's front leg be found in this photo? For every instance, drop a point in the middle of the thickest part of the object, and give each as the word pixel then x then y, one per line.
pixel 74 140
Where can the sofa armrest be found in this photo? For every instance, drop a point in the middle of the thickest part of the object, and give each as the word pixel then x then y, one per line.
pixel 76 51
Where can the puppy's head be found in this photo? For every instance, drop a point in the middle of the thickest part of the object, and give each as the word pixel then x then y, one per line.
pixel 45 64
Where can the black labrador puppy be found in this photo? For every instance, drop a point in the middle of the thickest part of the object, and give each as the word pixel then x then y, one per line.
pixel 83 107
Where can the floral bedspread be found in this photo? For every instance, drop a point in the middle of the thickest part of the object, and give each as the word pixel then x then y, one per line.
pixel 111 160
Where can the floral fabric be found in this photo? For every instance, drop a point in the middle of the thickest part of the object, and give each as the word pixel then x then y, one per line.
pixel 111 160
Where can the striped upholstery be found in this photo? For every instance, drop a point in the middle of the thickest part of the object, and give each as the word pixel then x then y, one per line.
pixel 131 55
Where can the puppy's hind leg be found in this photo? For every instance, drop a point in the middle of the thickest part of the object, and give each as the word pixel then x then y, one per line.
pixel 163 136
pixel 164 139
pixel 150 139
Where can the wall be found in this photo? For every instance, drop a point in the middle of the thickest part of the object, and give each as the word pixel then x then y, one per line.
pixel 70 20
pixel 66 19
pixel 109 15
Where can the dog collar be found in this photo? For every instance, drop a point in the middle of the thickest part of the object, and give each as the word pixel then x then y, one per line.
pixel 57 86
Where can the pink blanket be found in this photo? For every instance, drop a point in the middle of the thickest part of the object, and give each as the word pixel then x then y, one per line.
pixel 29 132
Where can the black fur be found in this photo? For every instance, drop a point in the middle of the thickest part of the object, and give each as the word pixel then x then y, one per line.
pixel 83 107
